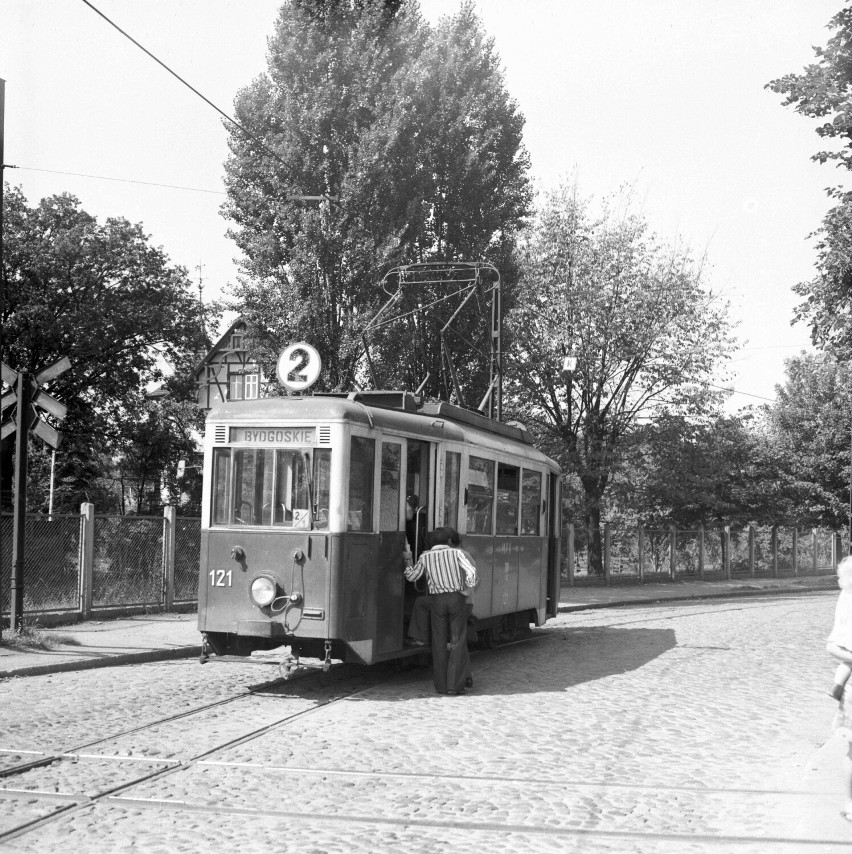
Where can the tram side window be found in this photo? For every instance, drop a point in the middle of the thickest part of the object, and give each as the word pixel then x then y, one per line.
pixel 508 498
pixel 221 469
pixel 389 498
pixel 452 472
pixel 362 455
pixel 252 486
pixel 480 495
pixel 322 487
pixel 531 502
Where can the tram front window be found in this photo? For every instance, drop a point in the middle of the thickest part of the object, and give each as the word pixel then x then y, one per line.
pixel 292 505
pixel 272 487
pixel 252 487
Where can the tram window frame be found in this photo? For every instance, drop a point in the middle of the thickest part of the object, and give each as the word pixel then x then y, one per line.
pixel 245 470
pixel 363 480
pixel 531 503
pixel 220 498
pixel 474 495
pixel 452 488
pixel 321 488
pixel 294 490
pixel 508 499
pixel 390 500
pixel 224 509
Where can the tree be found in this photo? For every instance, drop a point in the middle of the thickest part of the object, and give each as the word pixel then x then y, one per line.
pixel 722 470
pixel 811 423
pixel 410 134
pixel 103 296
pixel 634 313
pixel 821 92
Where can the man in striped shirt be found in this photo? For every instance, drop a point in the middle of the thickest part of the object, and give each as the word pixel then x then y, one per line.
pixel 448 571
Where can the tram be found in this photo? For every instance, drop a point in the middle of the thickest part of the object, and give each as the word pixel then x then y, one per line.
pixel 303 526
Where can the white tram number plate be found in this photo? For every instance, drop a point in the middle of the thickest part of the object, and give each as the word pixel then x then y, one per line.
pixel 220 577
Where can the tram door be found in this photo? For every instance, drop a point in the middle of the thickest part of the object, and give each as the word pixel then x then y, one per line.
pixel 418 483
pixel 554 532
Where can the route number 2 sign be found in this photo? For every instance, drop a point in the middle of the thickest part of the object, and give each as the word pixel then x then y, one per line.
pixel 299 366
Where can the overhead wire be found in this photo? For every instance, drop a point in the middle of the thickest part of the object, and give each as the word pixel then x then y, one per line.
pixel 204 98
pixel 119 180
pixel 259 143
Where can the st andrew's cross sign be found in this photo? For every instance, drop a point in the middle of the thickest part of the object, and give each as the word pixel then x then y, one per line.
pixel 31 403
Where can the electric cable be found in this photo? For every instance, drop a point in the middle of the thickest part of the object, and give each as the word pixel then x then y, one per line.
pixel 118 180
pixel 206 100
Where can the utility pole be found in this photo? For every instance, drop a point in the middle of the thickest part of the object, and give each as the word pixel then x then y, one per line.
pixel 200 269
pixel 2 285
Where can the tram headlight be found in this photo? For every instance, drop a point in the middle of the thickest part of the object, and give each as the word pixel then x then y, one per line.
pixel 263 590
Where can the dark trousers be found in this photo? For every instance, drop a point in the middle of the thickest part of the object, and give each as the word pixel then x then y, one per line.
pixel 449 626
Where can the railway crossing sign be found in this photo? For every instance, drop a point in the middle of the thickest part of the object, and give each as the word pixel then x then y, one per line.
pixel 26 392
pixel 31 402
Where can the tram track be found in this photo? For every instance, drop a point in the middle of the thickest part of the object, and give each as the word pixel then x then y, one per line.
pixel 339 675
pixel 79 801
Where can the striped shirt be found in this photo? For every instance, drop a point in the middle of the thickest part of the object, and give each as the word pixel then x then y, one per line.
pixel 447 570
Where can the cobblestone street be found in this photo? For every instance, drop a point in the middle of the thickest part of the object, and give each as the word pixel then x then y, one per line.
pixel 679 727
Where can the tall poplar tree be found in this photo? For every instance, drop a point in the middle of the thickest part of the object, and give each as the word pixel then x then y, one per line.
pixel 410 135
pixel 821 91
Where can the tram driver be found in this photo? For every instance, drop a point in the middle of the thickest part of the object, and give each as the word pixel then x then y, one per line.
pixel 415 525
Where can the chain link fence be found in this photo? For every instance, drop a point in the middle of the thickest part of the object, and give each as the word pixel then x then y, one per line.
pixel 51 568
pixel 129 565
pixel 187 559
pixel 637 555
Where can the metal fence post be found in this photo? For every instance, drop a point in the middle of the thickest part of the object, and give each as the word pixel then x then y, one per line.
pixel 87 557
pixel 701 552
pixel 726 551
pixel 775 550
pixel 169 518
pixel 751 555
pixel 814 547
pixel 607 552
pixel 672 551
pixel 641 554
pixel 570 548
pixel 795 551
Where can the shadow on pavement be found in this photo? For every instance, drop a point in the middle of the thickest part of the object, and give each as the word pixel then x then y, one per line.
pixel 555 659
pixel 558 658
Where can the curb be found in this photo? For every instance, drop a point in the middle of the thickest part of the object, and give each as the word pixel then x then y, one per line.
pixel 195 651
pixel 106 661
pixel 686 597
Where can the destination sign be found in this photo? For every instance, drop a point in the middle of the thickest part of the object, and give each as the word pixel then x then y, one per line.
pixel 272 435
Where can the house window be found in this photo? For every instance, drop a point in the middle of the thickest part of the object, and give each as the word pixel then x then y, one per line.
pixel 236 341
pixel 236 387
pixel 243 386
pixel 251 386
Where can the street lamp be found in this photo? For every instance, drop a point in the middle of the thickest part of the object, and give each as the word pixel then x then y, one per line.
pixel 569 365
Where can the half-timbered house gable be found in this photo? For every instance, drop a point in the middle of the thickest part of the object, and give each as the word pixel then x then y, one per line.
pixel 227 372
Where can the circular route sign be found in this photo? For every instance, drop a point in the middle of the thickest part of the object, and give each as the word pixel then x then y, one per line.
pixel 299 366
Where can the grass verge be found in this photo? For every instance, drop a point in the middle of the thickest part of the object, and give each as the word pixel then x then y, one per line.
pixel 33 637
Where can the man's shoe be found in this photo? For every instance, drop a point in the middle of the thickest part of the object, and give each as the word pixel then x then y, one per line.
pixel 413 642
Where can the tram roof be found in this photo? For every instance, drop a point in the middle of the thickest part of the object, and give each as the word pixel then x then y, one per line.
pixel 395 409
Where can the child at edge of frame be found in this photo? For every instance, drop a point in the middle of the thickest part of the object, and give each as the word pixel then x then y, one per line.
pixel 840 639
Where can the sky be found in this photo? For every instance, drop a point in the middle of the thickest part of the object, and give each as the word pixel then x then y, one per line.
pixel 666 96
